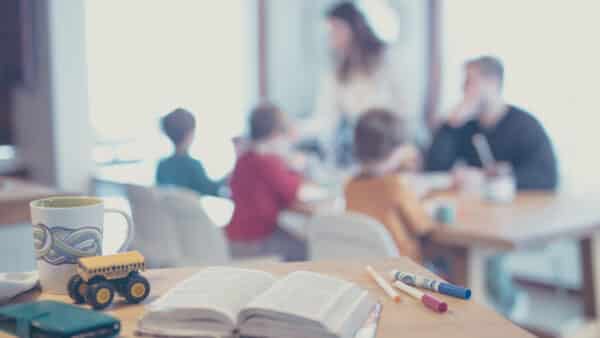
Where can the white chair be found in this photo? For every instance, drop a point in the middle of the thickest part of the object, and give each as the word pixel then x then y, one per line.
pixel 348 235
pixel 172 229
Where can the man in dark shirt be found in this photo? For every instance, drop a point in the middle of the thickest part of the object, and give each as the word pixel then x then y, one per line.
pixel 514 135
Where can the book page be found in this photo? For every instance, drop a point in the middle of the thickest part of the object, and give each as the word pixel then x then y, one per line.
pixel 353 307
pixel 307 299
pixel 213 294
pixel 264 327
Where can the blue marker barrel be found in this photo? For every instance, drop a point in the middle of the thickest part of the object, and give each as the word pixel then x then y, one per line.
pixel 454 290
pixel 431 284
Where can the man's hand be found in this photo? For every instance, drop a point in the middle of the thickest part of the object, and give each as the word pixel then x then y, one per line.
pixel 409 158
pixel 467 109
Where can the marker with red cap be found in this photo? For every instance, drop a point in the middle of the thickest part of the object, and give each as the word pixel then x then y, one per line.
pixel 428 300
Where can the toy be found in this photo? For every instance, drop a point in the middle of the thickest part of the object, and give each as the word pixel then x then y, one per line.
pixel 55 319
pixel 99 277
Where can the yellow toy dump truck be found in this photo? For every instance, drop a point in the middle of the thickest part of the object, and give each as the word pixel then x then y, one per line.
pixel 99 277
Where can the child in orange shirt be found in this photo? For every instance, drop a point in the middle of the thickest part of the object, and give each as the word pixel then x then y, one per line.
pixel 380 191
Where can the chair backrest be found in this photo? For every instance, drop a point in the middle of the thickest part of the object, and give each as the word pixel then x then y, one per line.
pixel 152 236
pixel 172 228
pixel 202 241
pixel 348 235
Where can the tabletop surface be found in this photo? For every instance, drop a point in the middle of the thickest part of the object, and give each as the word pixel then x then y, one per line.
pixel 532 218
pixel 12 189
pixel 15 195
pixel 409 318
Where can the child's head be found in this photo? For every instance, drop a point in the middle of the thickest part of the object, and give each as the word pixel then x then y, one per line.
pixel 179 125
pixel 267 121
pixel 378 136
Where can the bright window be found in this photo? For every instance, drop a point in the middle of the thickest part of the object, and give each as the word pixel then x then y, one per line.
pixel 146 58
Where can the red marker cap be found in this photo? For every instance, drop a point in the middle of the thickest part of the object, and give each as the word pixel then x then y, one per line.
pixel 434 303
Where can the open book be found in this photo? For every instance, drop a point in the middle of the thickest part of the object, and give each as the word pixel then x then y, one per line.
pixel 226 302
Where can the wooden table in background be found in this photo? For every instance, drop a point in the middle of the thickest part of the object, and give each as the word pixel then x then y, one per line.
pixel 409 318
pixel 534 219
pixel 15 196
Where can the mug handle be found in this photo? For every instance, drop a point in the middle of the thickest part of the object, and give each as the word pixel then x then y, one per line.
pixel 130 227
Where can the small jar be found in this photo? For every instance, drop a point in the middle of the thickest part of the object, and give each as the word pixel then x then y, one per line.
pixel 441 210
pixel 445 213
pixel 500 184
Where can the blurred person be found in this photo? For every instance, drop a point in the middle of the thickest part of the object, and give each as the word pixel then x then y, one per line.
pixel 380 190
pixel 514 136
pixel 365 75
pixel 263 185
pixel 180 169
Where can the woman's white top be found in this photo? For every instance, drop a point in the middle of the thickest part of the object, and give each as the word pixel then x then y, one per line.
pixel 395 85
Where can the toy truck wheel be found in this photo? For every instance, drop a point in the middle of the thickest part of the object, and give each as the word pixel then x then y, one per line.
pixel 137 289
pixel 77 289
pixel 100 295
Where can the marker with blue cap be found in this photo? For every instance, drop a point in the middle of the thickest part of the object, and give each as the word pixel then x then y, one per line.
pixel 431 284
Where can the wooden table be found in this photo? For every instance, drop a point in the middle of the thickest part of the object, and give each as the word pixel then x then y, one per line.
pixel 15 196
pixel 410 318
pixel 534 219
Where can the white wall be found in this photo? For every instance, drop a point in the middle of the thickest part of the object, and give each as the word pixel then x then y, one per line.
pixel 297 52
pixel 52 121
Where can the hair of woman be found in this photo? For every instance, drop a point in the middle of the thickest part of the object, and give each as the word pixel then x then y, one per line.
pixel 365 49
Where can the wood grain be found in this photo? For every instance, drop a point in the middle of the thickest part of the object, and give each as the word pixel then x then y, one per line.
pixel 534 218
pixel 409 318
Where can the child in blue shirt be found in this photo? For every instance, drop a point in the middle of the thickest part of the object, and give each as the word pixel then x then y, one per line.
pixel 180 169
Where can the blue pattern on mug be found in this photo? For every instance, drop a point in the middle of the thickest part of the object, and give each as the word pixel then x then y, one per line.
pixel 60 245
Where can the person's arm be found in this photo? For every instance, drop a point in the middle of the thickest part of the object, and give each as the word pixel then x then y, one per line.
pixel 444 149
pixel 534 164
pixel 411 209
pixel 281 179
pixel 203 184
pixel 467 109
pixel 448 142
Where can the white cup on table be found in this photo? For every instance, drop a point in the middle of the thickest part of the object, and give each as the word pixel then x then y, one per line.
pixel 65 229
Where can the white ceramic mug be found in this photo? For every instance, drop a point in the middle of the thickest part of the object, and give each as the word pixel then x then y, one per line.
pixel 64 229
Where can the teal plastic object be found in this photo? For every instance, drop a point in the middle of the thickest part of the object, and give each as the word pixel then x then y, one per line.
pixel 56 319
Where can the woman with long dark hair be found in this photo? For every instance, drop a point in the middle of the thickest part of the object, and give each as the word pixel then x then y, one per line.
pixel 357 49
pixel 364 75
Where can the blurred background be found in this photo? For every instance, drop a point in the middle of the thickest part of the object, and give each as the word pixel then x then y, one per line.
pixel 139 59
pixel 84 84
